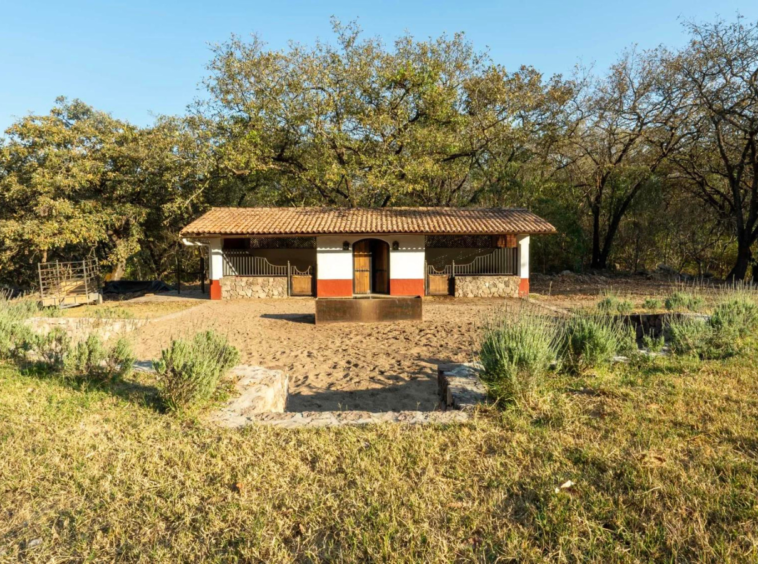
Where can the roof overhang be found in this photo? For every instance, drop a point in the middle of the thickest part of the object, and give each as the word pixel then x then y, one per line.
pixel 315 222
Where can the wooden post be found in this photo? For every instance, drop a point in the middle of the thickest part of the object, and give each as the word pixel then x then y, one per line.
pixel 86 287
pixel 289 280
pixel 453 269
pixel 178 273
pixel 58 280
pixel 41 290
pixel 426 279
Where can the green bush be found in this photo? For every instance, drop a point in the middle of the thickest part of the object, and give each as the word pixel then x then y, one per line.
pixel 737 316
pixel 608 304
pixel 591 341
pixel 85 357
pixel 90 360
pixel 15 336
pixel 189 372
pixel 679 301
pixel 653 344
pixel 516 353
pixel 119 362
pixel 53 348
pixel 651 303
pixel 696 337
pixel 721 335
pixel 611 304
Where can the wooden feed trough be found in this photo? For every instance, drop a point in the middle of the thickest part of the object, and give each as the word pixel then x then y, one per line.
pixel 69 283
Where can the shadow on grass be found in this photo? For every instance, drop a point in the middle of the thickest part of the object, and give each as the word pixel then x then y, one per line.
pixel 129 389
pixel 411 395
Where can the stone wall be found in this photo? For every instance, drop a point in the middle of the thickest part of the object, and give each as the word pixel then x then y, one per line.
pixel 486 286
pixel 238 287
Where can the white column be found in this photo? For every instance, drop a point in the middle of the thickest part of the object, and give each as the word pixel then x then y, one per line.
pixel 523 254
pixel 215 259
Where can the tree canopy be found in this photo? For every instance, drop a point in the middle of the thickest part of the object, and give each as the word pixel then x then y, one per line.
pixel 663 138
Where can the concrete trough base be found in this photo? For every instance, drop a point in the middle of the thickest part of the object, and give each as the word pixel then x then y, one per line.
pixel 368 310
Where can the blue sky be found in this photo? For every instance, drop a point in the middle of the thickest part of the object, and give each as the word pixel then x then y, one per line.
pixel 140 58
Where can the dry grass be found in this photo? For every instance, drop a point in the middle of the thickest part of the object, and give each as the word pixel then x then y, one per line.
pixel 663 456
pixel 130 310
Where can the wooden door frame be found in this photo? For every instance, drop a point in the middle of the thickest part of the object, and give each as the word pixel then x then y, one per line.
pixel 371 265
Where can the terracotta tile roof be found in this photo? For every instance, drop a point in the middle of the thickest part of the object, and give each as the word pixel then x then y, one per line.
pixel 325 221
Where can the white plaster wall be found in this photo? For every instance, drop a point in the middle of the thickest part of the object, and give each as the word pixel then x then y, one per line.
pixel 523 253
pixel 336 264
pixel 407 263
pixel 332 263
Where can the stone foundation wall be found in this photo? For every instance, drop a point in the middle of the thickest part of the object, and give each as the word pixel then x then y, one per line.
pixel 239 287
pixel 486 286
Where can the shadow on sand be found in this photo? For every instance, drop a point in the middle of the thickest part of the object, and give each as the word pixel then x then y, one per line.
pixel 307 318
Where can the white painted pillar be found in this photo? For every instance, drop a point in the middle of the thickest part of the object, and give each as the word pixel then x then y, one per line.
pixel 215 266
pixel 523 265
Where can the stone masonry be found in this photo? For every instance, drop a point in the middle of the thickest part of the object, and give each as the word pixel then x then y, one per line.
pixel 486 286
pixel 238 287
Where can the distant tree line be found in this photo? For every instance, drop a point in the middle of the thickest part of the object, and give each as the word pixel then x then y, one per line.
pixel 654 161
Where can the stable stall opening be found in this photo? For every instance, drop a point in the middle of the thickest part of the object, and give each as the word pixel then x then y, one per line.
pixel 371 267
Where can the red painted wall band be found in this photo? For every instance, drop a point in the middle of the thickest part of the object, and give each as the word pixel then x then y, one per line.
pixel 406 287
pixel 215 289
pixel 523 287
pixel 334 288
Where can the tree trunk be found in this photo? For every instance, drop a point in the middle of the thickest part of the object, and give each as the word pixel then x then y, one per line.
pixel 118 272
pixel 598 260
pixel 744 259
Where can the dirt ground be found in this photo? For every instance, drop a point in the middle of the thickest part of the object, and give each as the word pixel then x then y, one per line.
pixel 372 367
pixel 571 291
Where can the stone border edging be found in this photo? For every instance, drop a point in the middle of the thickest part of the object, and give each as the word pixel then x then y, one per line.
pixel 460 387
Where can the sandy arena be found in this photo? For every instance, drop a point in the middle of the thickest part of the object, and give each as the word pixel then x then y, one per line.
pixel 370 367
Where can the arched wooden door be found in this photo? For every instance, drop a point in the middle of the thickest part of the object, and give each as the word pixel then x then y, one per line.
pixel 371 258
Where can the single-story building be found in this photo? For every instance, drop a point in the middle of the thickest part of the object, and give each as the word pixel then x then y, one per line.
pixel 357 252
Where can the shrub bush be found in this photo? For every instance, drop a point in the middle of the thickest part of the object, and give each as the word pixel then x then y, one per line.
pixel 591 341
pixel 693 337
pixel 719 336
pixel 90 360
pixel 737 315
pixel 119 362
pixel 85 357
pixel 53 348
pixel 679 301
pixel 651 303
pixel 611 304
pixel 516 353
pixel 15 336
pixel 189 372
pixel 653 344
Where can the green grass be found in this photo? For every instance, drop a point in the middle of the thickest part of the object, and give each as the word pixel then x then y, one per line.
pixel 663 455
